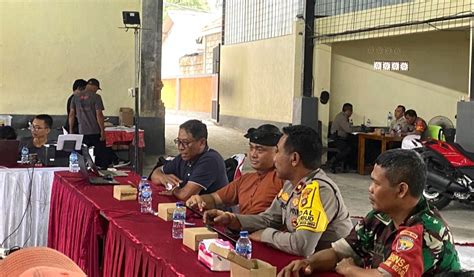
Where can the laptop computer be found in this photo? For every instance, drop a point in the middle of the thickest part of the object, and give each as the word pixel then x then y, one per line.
pixel 9 152
pixel 101 172
pixel 50 156
pixel 93 180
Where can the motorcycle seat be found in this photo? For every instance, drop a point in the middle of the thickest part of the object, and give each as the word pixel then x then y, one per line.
pixel 469 155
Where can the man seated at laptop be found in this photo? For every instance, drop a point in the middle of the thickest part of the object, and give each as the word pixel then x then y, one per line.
pixel 40 128
pixel 7 133
pixel 196 169
pixel 253 192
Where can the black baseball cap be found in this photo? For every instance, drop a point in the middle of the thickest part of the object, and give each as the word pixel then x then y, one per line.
pixel 94 82
pixel 266 134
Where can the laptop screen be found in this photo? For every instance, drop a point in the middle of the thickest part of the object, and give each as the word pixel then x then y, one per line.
pixel 9 152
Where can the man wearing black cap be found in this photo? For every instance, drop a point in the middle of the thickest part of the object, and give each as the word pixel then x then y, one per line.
pixel 253 192
pixel 87 105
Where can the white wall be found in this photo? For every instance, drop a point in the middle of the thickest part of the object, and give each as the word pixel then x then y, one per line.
pixel 437 78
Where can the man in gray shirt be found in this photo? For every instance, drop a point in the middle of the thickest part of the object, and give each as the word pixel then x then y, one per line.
pixel 340 132
pixel 87 106
pixel 308 214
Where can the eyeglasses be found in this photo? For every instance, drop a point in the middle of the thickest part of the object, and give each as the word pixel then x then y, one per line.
pixel 185 144
pixel 37 128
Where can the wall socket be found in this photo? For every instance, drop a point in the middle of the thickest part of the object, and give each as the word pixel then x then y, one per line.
pixel 131 92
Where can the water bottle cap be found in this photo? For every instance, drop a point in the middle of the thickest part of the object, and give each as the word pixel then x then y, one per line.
pixel 144 178
pixel 179 204
pixel 244 233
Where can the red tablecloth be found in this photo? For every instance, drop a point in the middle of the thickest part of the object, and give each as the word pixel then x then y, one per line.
pixel 135 244
pixel 123 136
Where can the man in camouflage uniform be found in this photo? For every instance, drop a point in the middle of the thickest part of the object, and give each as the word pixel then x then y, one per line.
pixel 308 213
pixel 402 236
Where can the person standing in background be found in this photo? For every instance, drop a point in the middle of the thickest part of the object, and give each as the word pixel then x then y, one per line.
pixel 78 85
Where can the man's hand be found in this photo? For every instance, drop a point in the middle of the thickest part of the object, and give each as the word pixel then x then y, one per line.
pixel 217 217
pixel 345 266
pixel 257 235
pixel 196 201
pixel 161 178
pixel 102 135
pixel 295 267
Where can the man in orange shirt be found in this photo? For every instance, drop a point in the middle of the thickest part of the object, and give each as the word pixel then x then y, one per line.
pixel 253 192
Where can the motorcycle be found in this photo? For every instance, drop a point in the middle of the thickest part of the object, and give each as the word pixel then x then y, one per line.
pixel 450 173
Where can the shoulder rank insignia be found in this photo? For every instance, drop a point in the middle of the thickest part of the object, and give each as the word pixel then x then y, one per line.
pixel 300 187
pixel 295 201
pixel 285 197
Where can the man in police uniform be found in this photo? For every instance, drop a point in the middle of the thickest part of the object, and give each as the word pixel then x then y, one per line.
pixel 402 236
pixel 309 207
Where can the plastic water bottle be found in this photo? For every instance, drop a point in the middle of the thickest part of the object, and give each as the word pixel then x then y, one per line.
pixel 179 217
pixel 243 247
pixel 143 181
pixel 398 130
pixel 145 199
pixel 73 162
pixel 389 119
pixel 368 122
pixel 24 154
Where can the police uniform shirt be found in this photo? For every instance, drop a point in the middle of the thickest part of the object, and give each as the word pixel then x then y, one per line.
pixel 302 218
pixel 341 125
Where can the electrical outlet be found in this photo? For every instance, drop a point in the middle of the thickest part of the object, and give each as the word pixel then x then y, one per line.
pixel 131 92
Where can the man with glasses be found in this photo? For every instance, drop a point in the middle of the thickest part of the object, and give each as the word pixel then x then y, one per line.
pixel 197 169
pixel 40 128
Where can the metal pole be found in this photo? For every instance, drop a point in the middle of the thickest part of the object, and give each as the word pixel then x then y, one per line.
pixel 136 78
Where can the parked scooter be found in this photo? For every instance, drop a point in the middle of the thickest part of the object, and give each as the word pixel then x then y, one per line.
pixel 450 173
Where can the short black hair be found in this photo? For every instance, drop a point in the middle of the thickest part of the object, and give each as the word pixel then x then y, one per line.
pixel 79 84
pixel 195 127
pixel 48 120
pixel 402 165
pixel 306 142
pixel 402 107
pixel 346 106
pixel 7 132
pixel 411 113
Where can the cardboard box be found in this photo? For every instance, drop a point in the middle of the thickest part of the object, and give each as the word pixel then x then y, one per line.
pixel 126 116
pixel 165 211
pixel 242 267
pixel 193 236
pixel 262 269
pixel 212 260
pixel 125 192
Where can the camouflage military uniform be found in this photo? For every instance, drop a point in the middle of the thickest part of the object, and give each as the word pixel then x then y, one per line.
pixel 303 218
pixel 422 245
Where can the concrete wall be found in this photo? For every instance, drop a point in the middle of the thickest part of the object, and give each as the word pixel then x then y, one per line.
pixel 46 45
pixel 436 80
pixel 257 79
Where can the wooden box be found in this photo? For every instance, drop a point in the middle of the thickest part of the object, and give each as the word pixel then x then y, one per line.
pixel 125 192
pixel 192 236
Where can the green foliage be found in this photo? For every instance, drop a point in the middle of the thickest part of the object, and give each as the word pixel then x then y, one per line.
pixel 197 5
